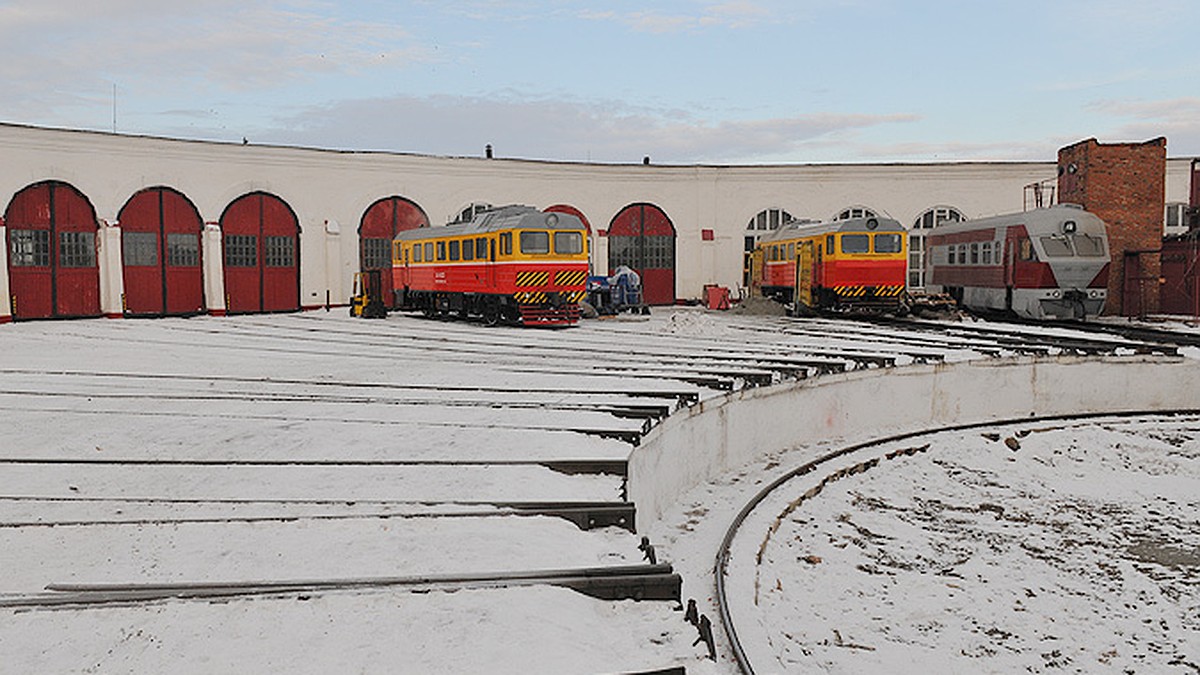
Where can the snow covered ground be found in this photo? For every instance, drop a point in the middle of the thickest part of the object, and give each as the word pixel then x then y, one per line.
pixel 267 427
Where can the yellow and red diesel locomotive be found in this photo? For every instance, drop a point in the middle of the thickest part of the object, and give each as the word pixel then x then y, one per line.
pixel 857 264
pixel 513 264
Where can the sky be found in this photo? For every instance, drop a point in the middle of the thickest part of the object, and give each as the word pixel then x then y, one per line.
pixel 680 81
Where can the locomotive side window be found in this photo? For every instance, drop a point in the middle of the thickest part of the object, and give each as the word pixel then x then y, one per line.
pixel 429 251
pixel 986 253
pixel 568 243
pixel 481 248
pixel 887 243
pixel 856 243
pixel 962 254
pixel 1057 247
pixel 950 258
pixel 455 245
pixel 468 249
pixel 791 252
pixel 535 243
pixel 829 245
pixel 416 253
pixel 441 250
pixel 974 253
pixel 506 243
pixel 1025 251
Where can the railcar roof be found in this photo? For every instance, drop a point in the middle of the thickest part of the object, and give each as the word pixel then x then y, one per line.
pixel 794 230
pixel 1035 221
pixel 494 220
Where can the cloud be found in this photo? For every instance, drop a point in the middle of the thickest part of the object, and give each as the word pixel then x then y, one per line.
pixel 58 53
pixel 555 129
pixel 1178 119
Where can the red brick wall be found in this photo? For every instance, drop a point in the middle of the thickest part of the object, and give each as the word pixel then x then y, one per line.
pixel 1125 185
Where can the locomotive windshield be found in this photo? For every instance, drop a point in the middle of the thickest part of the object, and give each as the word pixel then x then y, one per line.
pixel 1089 246
pixel 887 243
pixel 1057 246
pixel 568 243
pixel 856 243
pixel 535 242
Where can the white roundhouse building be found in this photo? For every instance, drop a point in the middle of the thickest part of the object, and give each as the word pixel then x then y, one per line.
pixel 101 224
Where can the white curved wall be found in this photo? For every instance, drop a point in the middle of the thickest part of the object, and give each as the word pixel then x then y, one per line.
pixel 325 186
pixel 712 438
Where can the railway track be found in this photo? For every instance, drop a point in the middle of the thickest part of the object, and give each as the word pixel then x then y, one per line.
pixel 787 496
pixel 618 582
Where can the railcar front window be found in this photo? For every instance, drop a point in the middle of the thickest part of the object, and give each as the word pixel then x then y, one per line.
pixel 887 243
pixel 1057 247
pixel 856 243
pixel 1089 246
pixel 535 243
pixel 568 243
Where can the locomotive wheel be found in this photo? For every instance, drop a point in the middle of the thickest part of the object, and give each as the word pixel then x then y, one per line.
pixel 491 313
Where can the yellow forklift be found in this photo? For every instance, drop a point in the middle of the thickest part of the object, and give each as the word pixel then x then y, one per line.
pixel 367 301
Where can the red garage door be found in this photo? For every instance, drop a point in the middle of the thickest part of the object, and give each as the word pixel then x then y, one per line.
pixel 52 269
pixel 642 238
pixel 160 254
pixel 382 221
pixel 261 238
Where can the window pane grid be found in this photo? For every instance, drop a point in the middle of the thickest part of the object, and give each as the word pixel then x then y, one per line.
pixel 241 250
pixel 30 248
pixel 279 251
pixel 77 249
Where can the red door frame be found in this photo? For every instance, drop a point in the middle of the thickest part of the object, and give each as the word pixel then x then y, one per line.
pixel 53 290
pixel 162 289
pixel 641 220
pixel 384 219
pixel 261 287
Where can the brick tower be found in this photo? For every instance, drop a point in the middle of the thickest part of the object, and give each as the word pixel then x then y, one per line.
pixel 1125 185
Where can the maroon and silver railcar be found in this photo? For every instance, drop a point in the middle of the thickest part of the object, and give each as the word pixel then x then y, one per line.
pixel 1045 264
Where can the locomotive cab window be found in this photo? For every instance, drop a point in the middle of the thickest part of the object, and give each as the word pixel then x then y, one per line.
pixel 1089 246
pixel 568 243
pixel 1057 246
pixel 535 243
pixel 856 243
pixel 887 243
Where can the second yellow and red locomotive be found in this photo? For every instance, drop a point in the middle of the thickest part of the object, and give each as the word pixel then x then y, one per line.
pixel 856 264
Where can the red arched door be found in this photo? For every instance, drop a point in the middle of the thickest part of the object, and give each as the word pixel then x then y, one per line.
pixel 52 267
pixel 261 238
pixel 642 238
pixel 380 223
pixel 160 254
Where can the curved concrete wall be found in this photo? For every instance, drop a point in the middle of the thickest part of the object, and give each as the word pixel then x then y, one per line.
pixel 719 435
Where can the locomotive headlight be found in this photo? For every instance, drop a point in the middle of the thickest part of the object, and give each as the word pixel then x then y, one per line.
pixel 872 223
pixel 1069 227
pixel 1056 294
pixel 551 219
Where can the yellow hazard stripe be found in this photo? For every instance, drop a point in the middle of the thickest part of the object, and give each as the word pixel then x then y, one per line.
pixel 533 278
pixel 570 277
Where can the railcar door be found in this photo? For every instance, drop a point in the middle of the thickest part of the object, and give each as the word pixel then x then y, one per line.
pixel 804 274
pixel 1010 257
